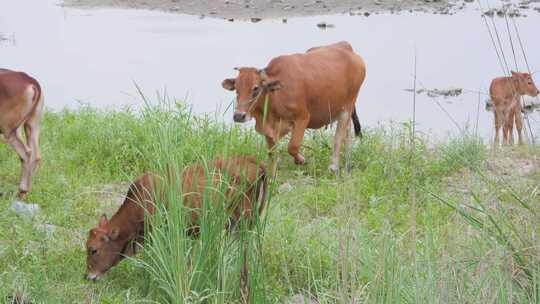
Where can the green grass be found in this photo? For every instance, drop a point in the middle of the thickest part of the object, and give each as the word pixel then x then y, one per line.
pixel 344 239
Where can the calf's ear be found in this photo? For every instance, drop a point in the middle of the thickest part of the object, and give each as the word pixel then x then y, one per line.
pixel 516 74
pixel 103 221
pixel 272 85
pixel 228 84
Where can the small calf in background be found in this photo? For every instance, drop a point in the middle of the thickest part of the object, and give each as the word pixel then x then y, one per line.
pixel 21 104
pixel 505 94
pixel 114 239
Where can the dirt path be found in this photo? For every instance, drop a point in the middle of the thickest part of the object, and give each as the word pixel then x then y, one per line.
pixel 257 9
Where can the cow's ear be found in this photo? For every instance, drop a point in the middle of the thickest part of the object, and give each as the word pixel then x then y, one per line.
pixel 114 233
pixel 103 221
pixel 273 85
pixel 228 84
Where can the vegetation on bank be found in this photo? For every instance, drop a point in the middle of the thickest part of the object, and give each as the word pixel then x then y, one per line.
pixel 471 235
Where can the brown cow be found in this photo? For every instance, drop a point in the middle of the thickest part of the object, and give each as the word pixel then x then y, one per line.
pixel 114 239
pixel 505 93
pixel 21 104
pixel 308 90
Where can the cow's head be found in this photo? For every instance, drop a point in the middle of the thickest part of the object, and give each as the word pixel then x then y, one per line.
pixel 251 87
pixel 525 84
pixel 103 249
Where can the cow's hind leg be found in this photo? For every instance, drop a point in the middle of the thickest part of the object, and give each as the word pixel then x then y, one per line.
pixel 343 122
pixel 348 146
pixel 510 121
pixel 519 125
pixel 505 126
pixel 15 141
pixel 32 131
pixel 498 123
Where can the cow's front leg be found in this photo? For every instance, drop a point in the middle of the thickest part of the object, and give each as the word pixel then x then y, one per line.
pixel 299 126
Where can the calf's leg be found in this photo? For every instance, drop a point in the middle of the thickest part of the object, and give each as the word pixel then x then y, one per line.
pixel 15 141
pixel 498 124
pixel 506 126
pixel 510 120
pixel 519 126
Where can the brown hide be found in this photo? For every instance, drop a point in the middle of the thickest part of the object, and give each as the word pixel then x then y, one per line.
pixel 21 104
pixel 505 93
pixel 113 239
pixel 308 90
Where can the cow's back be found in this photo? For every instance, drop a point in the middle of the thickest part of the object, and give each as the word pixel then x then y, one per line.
pixel 501 91
pixel 139 199
pixel 324 80
pixel 16 95
pixel 238 177
pixel 242 176
pixel 14 83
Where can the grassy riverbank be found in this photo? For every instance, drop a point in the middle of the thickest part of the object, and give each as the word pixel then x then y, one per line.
pixel 450 222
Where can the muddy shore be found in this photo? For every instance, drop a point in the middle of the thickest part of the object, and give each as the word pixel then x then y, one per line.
pixel 261 9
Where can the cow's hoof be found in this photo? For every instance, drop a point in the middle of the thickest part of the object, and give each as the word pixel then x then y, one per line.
pixel 299 160
pixel 334 168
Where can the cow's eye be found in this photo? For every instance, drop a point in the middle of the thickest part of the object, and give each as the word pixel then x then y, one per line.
pixel 92 251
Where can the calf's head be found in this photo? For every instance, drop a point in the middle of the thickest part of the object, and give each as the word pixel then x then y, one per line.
pixel 251 86
pixel 525 84
pixel 103 249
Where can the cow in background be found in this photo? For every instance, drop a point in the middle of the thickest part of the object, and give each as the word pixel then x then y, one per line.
pixel 308 90
pixel 505 94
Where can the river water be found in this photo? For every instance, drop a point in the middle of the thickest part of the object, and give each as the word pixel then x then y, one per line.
pixel 95 57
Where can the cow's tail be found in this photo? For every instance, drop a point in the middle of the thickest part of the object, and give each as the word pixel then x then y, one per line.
pixel 356 123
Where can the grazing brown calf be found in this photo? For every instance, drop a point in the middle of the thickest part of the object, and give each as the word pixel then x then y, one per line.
pixel 309 90
pixel 114 239
pixel 21 104
pixel 505 93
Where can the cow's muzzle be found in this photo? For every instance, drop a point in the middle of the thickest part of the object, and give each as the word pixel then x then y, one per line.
pixel 240 116
pixel 92 276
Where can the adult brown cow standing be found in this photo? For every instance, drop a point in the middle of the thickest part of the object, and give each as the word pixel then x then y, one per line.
pixel 308 90
pixel 21 104
pixel 505 93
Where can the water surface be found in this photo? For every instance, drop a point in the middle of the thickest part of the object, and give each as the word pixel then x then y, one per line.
pixel 95 56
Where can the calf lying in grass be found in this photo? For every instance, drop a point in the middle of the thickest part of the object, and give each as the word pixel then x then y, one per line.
pixel 114 239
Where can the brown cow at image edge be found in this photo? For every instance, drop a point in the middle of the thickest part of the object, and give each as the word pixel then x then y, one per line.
pixel 21 105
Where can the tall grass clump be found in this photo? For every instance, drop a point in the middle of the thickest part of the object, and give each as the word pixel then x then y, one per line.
pixel 205 267
pixel 507 220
